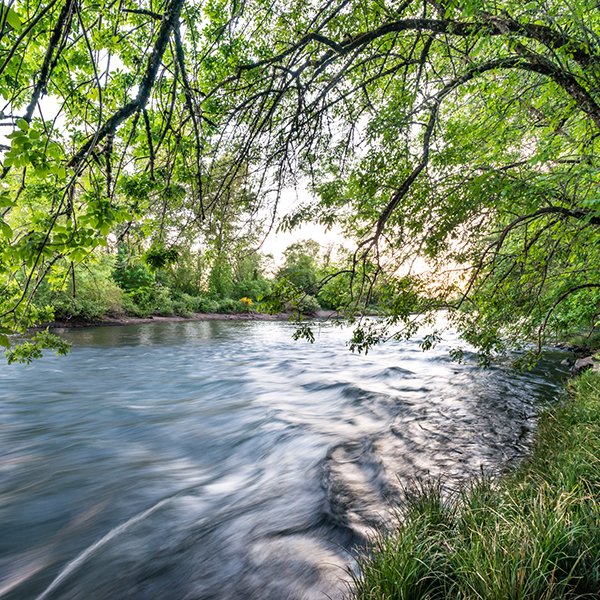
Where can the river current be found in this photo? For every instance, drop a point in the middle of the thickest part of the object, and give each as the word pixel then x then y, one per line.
pixel 222 460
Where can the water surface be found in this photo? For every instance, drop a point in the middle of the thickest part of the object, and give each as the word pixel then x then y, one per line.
pixel 223 460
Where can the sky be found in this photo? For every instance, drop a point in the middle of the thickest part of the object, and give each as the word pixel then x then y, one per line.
pixel 275 244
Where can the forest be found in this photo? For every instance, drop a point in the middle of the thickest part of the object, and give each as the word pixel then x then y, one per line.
pixel 146 149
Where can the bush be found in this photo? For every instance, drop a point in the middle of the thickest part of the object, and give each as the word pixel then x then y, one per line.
pixel 226 305
pixel 180 309
pixel 163 305
pixel 148 300
pixel 245 305
pixel 140 302
pixel 133 275
pixel 95 296
pixel 203 304
pixel 307 305
pixel 131 308
pixel 185 305
pixel 251 288
pixel 88 309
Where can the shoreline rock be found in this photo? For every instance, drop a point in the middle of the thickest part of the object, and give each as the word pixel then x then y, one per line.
pixel 584 358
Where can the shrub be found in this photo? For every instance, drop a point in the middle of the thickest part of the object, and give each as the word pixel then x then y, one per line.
pixel 307 305
pixel 226 305
pixel 147 300
pixel 131 308
pixel 180 309
pixel 184 305
pixel 89 309
pixel 245 305
pixel 140 302
pixel 203 304
pixel 132 275
pixel 161 298
pixel 95 296
pixel 251 288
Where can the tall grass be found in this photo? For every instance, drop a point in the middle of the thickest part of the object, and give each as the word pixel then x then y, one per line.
pixel 534 534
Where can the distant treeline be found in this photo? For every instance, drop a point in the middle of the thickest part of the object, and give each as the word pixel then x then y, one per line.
pixel 183 281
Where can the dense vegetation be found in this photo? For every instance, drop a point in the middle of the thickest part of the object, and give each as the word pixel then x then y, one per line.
pixel 115 284
pixel 454 143
pixel 531 535
pixel 146 149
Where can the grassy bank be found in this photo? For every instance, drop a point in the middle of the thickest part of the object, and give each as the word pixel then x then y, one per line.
pixel 534 534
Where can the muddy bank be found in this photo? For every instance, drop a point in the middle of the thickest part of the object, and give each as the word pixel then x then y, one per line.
pixel 112 321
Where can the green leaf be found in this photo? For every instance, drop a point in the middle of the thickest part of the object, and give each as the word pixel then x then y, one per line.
pixel 4 341
pixel 6 229
pixel 77 255
pixel 14 20
pixel 5 201
pixel 22 124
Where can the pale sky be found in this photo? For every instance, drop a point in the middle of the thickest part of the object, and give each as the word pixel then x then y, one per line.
pixel 275 244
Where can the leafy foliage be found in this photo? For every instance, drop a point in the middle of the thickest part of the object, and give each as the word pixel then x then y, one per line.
pixel 28 351
pixel 454 142
pixel 532 534
pixel 86 291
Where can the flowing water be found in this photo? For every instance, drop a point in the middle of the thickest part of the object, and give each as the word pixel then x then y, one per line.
pixel 223 460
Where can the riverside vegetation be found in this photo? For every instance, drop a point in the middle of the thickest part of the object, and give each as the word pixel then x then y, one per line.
pixel 454 143
pixel 129 284
pixel 532 534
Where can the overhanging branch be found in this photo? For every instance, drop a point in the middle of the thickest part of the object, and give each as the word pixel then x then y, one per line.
pixel 168 24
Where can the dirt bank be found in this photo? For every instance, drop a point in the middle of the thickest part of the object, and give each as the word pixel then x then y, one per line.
pixel 110 321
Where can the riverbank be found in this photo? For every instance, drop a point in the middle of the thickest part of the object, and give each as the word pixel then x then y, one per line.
pixel 531 534
pixel 127 320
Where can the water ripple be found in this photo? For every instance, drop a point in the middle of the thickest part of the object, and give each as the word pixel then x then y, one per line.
pixel 222 460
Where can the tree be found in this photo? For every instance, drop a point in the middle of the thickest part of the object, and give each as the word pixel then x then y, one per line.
pixel 105 132
pixel 300 265
pixel 62 174
pixel 455 141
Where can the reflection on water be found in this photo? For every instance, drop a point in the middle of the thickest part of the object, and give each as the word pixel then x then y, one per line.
pixel 223 460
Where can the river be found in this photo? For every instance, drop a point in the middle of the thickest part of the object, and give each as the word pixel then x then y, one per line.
pixel 223 460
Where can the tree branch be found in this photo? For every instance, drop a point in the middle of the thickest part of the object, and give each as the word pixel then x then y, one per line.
pixel 556 303
pixel 540 33
pixel 168 24
pixel 144 12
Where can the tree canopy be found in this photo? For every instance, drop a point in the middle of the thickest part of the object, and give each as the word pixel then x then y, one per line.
pixel 455 142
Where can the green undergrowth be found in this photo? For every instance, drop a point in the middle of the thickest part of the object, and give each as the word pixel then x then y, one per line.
pixel 532 534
